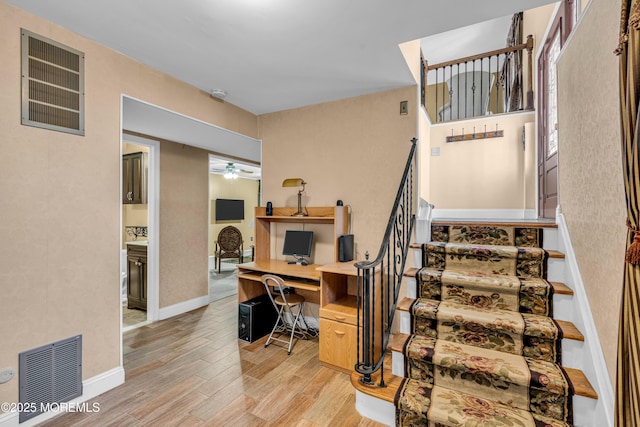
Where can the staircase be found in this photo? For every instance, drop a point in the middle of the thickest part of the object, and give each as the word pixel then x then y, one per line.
pixel 480 342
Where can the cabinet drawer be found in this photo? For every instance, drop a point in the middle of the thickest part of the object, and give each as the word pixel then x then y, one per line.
pixel 338 344
pixel 343 310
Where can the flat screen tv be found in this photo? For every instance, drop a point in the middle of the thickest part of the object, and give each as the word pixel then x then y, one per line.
pixel 229 209
pixel 297 243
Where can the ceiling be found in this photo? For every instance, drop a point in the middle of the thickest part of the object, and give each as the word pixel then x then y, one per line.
pixel 271 55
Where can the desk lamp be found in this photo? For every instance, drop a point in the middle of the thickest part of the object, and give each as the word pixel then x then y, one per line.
pixel 296 182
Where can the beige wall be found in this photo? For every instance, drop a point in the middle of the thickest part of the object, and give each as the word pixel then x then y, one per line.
pixel 590 181
pixel 60 214
pixel 184 214
pixel 241 189
pixel 353 150
pixel 483 173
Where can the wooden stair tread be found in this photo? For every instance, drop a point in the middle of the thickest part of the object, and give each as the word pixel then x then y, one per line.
pixel 569 330
pixel 558 287
pixel 388 393
pixel 497 223
pixel 555 254
pixel 581 384
pixel 561 289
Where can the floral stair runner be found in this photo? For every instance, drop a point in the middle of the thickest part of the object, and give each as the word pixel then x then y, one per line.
pixel 445 407
pixel 525 383
pixel 523 294
pixel 483 340
pixel 502 330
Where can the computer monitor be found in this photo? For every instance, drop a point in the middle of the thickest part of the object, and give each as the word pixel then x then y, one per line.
pixel 298 243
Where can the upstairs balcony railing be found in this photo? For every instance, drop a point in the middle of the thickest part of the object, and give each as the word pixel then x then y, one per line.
pixel 479 85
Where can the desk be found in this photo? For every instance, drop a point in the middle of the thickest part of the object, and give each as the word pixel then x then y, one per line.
pixel 304 279
pixel 333 286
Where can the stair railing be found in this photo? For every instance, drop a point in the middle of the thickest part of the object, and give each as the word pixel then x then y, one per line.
pixel 379 280
pixel 487 83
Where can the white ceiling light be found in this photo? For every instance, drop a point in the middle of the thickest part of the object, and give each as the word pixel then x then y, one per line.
pixel 219 93
pixel 230 171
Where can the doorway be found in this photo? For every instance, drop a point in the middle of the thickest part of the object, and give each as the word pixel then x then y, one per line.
pixel 234 192
pixel 548 110
pixel 139 266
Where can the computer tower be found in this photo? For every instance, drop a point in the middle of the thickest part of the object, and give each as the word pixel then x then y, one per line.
pixel 256 318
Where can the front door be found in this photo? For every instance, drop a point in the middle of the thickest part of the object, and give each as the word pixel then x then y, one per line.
pixel 548 113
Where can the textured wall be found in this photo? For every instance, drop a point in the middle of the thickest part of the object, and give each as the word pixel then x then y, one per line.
pixel 353 150
pixel 184 219
pixel 484 173
pixel 590 171
pixel 60 212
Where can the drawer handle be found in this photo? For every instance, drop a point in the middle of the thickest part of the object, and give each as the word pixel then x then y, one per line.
pixel 339 333
pixel 341 318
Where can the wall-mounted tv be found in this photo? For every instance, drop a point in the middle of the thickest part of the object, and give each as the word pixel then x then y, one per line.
pixel 229 210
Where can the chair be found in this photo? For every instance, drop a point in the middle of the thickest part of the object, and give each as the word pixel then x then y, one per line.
pixel 229 245
pixel 469 96
pixel 289 307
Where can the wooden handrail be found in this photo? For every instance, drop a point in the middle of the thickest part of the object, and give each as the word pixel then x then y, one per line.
pixel 527 45
pixel 464 102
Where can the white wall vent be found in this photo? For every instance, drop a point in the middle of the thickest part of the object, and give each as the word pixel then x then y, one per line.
pixel 50 375
pixel 52 85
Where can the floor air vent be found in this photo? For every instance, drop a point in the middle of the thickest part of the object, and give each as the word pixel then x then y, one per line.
pixel 52 85
pixel 49 375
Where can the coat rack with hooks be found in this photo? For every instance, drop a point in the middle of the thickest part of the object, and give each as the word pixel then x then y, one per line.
pixel 475 135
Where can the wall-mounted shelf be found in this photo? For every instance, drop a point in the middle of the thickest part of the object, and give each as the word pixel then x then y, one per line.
pixel 474 136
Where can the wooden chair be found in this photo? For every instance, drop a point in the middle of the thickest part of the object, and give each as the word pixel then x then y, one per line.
pixel 229 245
pixel 289 307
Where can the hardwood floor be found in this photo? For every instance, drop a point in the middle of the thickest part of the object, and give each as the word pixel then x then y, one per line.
pixel 191 370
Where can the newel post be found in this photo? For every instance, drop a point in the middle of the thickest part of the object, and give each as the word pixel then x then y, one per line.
pixel 530 69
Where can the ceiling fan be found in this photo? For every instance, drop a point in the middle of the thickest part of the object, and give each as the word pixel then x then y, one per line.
pixel 231 171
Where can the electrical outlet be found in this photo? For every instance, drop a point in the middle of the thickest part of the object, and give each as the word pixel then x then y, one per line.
pixel 7 375
pixel 404 107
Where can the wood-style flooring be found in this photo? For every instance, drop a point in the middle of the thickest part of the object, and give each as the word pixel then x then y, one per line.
pixel 191 370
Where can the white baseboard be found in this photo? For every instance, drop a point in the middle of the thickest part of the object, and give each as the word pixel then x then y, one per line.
pixel 593 363
pixel 182 307
pixel 91 388
pixel 484 213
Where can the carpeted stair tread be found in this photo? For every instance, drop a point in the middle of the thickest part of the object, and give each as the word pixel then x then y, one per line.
pixel 444 407
pixel 506 331
pixel 497 222
pixel 558 287
pixel 568 329
pixel 482 290
pixel 489 259
pixel 552 253
pixel 581 385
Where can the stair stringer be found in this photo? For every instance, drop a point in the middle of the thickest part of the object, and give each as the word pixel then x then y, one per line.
pixel 588 355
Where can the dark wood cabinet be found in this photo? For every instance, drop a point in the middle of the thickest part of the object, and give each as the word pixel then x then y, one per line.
pixel 134 178
pixel 137 276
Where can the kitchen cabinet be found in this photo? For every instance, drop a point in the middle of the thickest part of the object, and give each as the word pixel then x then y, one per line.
pixel 137 276
pixel 134 178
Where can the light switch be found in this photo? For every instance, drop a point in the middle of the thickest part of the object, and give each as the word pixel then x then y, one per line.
pixel 435 151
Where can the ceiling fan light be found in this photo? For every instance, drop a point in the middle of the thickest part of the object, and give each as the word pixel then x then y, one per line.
pixel 230 171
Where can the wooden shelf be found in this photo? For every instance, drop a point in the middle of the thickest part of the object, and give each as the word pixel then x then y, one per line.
pixel 255 276
pixel 297 219
pixel 329 215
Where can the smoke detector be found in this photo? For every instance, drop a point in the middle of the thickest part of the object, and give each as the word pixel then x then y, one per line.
pixel 219 93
